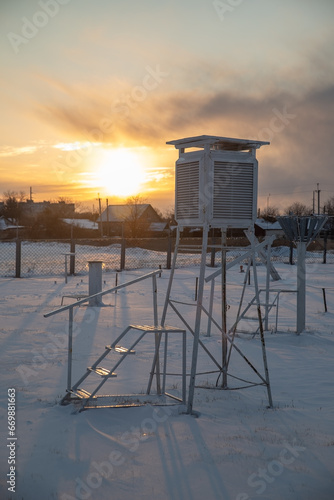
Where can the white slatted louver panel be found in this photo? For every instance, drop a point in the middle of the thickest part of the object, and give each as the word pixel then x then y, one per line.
pixel 187 191
pixel 233 192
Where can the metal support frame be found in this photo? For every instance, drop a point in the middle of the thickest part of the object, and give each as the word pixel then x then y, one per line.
pixel 228 340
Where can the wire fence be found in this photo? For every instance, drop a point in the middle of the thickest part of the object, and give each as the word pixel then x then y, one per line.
pixel 47 258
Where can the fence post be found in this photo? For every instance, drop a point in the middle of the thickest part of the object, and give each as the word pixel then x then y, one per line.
pixel 72 258
pixel 123 245
pixel 325 248
pixel 291 253
pixel 324 297
pixel 213 251
pixel 169 251
pixel 18 259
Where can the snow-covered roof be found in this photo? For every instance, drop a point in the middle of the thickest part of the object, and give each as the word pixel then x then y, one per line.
pixel 157 226
pixel 83 223
pixel 222 143
pixel 266 225
pixel 120 213
pixel 4 225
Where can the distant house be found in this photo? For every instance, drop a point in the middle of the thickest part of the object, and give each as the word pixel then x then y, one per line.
pixel 130 220
pixel 158 229
pixel 265 228
pixel 82 228
pixel 9 230
pixel 30 209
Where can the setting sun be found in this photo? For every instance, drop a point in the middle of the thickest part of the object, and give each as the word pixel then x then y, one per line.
pixel 120 172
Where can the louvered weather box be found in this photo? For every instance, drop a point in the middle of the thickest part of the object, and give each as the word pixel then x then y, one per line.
pixel 216 181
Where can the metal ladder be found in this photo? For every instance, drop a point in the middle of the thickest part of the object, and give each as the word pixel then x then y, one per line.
pixel 252 303
pixel 78 393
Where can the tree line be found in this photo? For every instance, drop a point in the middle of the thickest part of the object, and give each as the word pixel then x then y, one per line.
pixel 49 223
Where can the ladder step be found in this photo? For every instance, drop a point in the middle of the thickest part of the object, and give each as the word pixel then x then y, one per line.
pixel 120 349
pixel 103 372
pixel 80 393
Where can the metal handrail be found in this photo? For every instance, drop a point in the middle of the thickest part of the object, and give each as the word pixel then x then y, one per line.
pixel 104 292
pixel 70 308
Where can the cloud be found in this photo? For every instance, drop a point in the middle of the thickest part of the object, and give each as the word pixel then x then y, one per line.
pixel 299 127
pixel 7 151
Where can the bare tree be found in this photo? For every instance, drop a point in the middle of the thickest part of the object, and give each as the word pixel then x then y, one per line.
pixel 329 206
pixel 270 213
pixel 169 216
pixel 11 209
pixel 132 220
pixel 22 196
pixel 298 209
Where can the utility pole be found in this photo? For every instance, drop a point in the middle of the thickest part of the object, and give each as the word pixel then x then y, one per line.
pixel 318 191
pixel 100 214
pixel 107 213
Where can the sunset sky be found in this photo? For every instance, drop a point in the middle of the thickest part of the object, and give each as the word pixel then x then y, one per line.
pixel 92 90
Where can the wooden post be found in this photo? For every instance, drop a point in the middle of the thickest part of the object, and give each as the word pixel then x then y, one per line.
pixel 196 289
pixel 291 254
pixel 324 297
pixel 325 248
pixel 123 244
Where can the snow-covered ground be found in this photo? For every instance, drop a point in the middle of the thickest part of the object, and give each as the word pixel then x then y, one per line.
pixel 237 449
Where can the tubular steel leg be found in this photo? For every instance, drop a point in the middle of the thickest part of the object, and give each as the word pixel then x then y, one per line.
pixel 165 365
pixel 197 321
pixel 266 318
pixel 301 286
pixel 171 276
pixel 69 349
pixel 264 355
pixel 212 291
pixel 184 367
pixel 224 307
pixel 234 327
pixel 277 305
pixel 156 336
pixel 154 364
